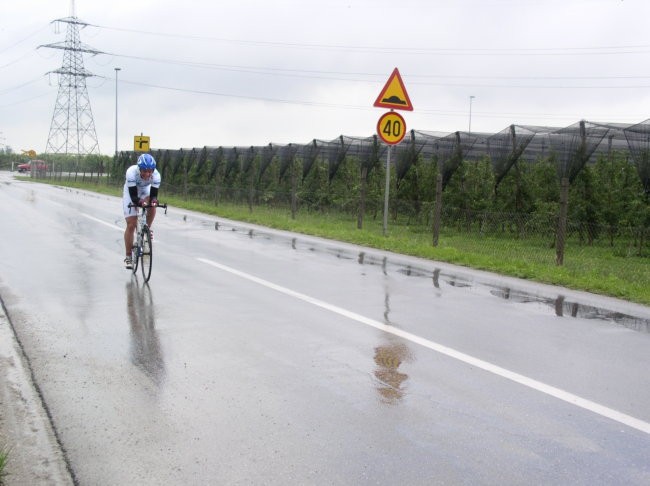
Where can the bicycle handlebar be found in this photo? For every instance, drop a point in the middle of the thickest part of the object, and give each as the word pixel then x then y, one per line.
pixel 159 205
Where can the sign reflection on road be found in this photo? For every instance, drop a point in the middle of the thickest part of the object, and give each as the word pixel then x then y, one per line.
pixel 388 358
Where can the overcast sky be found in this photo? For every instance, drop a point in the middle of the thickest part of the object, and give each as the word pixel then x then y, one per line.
pixel 248 72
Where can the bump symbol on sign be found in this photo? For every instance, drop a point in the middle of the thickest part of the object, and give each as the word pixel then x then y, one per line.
pixel 394 95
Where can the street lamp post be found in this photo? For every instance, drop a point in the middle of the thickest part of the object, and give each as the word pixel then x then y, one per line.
pixel 470 112
pixel 117 70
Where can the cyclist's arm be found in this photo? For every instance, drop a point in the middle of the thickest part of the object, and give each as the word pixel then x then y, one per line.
pixel 133 192
pixel 155 184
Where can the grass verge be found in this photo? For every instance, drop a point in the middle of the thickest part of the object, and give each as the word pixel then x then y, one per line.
pixel 590 268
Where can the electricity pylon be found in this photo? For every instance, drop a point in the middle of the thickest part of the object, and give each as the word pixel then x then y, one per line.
pixel 72 130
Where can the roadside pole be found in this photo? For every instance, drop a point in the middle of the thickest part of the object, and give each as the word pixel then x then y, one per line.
pixel 391 126
pixel 386 191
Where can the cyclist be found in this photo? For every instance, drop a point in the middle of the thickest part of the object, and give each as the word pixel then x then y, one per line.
pixel 140 188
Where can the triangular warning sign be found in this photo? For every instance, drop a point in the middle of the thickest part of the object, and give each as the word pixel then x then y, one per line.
pixel 394 95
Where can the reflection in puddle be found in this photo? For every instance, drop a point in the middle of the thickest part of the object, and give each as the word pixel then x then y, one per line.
pixel 563 308
pixel 409 271
pixel 387 308
pixel 559 304
pixel 146 352
pixel 388 359
pixel 436 278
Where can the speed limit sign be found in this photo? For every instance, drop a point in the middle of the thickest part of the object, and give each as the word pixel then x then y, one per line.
pixel 391 128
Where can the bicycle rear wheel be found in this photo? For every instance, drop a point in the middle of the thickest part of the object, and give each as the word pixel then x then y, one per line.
pixel 146 254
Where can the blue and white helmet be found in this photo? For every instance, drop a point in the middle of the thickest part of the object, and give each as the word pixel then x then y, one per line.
pixel 146 162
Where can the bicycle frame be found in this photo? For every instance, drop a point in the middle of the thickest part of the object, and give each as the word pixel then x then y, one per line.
pixel 142 250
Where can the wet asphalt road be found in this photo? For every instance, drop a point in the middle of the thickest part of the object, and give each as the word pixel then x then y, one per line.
pixel 256 357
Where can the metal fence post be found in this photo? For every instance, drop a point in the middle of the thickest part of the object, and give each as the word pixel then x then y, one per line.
pixel 561 228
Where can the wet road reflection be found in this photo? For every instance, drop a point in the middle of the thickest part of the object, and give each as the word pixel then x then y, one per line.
pixel 146 352
pixel 388 358
pixel 565 308
pixel 559 304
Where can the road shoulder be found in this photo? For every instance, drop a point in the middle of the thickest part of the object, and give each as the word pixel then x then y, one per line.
pixel 25 430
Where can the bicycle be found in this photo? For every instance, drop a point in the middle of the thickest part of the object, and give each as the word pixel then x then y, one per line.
pixel 142 249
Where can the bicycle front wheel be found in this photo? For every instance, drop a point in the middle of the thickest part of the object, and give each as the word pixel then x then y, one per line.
pixel 147 254
pixel 135 257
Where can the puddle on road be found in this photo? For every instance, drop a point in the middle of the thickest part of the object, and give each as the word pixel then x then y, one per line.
pixel 390 380
pixel 567 308
pixel 560 305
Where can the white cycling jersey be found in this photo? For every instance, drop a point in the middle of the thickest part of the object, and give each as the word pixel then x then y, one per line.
pixel 133 179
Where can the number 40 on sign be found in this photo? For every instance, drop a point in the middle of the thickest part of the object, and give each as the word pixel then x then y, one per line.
pixel 391 128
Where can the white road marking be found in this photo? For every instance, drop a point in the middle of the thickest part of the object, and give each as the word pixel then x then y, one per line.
pixel 102 222
pixel 452 353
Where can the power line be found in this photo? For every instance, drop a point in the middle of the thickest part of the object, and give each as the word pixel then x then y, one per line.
pixel 6 90
pixel 484 85
pixel 25 100
pixel 22 40
pixel 542 51
pixel 318 74
pixel 345 106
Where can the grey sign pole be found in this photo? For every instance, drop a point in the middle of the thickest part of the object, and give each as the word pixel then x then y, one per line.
pixel 390 147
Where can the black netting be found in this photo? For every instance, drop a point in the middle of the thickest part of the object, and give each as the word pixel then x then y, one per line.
pixel 333 152
pixel 248 157
pixel 202 159
pixel 232 160
pixel 176 162
pixel 287 156
pixel 216 161
pixel 574 145
pixel 449 152
pixel 368 151
pixel 407 153
pixel 164 162
pixel 308 153
pixel 268 152
pixel 506 147
pixel 428 143
pixel 638 141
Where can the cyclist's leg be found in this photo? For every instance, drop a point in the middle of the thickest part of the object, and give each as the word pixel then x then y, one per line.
pixel 151 214
pixel 129 232
pixel 131 218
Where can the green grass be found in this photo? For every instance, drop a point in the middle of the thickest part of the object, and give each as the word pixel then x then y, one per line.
pixel 4 458
pixel 591 268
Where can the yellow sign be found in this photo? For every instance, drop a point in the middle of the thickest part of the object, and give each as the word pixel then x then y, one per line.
pixel 391 128
pixel 394 95
pixel 141 143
